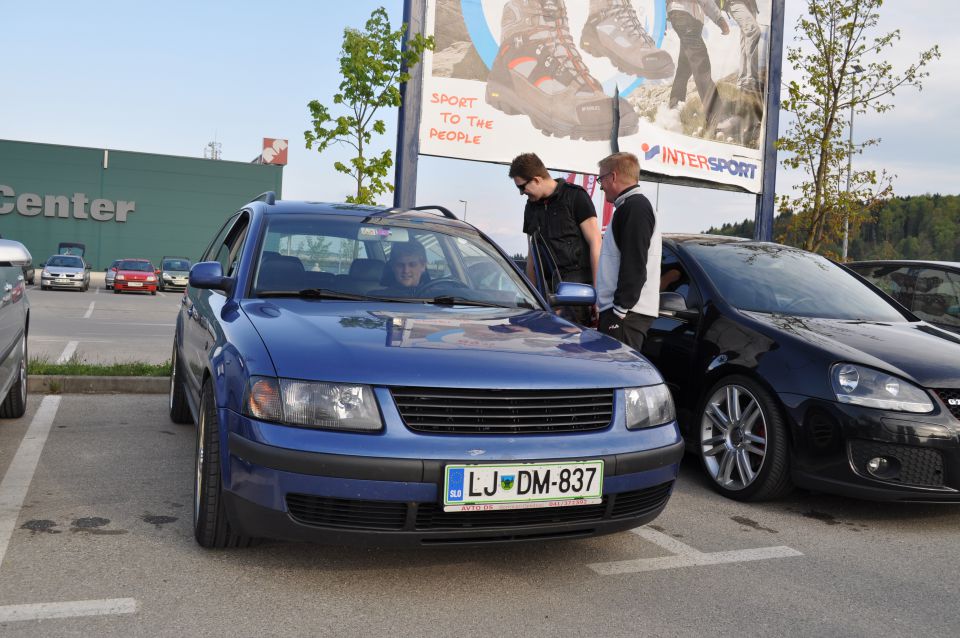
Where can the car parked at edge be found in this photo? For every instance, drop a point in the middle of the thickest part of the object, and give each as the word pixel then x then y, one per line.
pixel 929 289
pixel 110 273
pixel 788 369
pixel 173 273
pixel 65 271
pixel 135 275
pixel 333 404
pixel 14 323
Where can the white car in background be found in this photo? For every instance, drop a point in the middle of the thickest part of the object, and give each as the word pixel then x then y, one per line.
pixel 14 319
pixel 65 271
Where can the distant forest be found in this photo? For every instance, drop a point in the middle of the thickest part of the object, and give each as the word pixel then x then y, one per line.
pixel 916 227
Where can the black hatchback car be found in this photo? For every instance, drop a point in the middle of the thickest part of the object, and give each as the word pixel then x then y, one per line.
pixel 788 369
pixel 929 289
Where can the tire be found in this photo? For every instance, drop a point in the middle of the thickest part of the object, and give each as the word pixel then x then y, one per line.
pixel 14 405
pixel 744 451
pixel 42 287
pixel 210 525
pixel 179 407
pixel 116 292
pixel 153 292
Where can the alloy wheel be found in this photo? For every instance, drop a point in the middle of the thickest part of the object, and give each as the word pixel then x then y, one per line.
pixel 733 437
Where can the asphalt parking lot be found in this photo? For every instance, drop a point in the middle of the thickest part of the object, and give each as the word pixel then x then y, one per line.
pixel 95 539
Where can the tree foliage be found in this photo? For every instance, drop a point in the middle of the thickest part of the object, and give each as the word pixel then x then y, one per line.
pixel 835 40
pixel 373 65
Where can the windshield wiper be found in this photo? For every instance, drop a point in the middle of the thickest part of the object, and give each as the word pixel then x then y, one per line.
pixel 322 293
pixel 450 300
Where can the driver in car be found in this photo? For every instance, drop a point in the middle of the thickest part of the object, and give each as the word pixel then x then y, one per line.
pixel 407 268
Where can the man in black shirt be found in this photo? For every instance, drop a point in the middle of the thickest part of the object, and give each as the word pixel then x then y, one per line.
pixel 564 216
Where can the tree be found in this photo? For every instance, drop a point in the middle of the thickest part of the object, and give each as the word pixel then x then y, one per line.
pixel 373 64
pixel 842 72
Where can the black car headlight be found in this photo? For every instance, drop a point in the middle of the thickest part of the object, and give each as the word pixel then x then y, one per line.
pixel 860 385
pixel 648 406
pixel 313 404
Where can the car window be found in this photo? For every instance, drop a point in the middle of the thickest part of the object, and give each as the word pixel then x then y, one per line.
pixel 65 261
pixel 176 264
pixel 674 278
pixel 936 296
pixel 211 253
pixel 394 259
pixel 778 279
pixel 137 266
pixel 896 281
pixel 229 251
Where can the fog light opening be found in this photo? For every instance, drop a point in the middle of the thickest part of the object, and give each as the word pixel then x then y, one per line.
pixel 884 467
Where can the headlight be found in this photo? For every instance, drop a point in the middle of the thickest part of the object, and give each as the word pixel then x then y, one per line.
pixel 167 276
pixel 648 406
pixel 333 406
pixel 151 278
pixel 860 385
pixel 119 278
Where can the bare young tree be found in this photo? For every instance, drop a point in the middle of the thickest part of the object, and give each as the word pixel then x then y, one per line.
pixel 843 72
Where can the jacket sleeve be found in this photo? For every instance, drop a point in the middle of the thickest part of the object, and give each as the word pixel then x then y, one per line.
pixel 632 232
pixel 711 9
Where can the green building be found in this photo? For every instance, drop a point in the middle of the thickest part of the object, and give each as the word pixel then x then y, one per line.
pixel 118 203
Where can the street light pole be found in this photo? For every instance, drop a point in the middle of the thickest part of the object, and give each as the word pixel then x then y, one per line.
pixel 464 202
pixel 856 69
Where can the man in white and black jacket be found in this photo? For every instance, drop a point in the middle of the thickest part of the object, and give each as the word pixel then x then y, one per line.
pixel 628 278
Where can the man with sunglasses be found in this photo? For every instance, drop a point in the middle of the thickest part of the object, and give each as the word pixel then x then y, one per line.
pixel 564 216
pixel 628 282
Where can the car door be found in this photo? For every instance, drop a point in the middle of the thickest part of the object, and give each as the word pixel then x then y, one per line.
pixel 671 343
pixel 936 297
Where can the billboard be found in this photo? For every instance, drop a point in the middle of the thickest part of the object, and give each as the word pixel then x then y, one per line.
pixel 514 76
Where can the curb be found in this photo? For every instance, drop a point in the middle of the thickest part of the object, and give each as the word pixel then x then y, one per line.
pixel 67 384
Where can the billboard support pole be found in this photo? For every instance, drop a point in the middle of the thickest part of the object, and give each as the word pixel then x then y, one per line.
pixel 763 226
pixel 408 119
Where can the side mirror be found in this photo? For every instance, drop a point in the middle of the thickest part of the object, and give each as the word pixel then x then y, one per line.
pixel 572 294
pixel 208 275
pixel 88 267
pixel 672 304
pixel 14 253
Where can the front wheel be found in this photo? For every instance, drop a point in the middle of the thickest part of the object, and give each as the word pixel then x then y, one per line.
pixel 743 441
pixel 14 405
pixel 210 525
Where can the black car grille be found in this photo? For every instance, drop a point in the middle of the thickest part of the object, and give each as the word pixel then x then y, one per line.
pixel 917 465
pixel 946 396
pixel 383 515
pixel 503 411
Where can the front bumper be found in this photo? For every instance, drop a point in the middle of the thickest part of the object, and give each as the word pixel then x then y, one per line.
pixel 291 494
pixel 833 443
pixel 125 286
pixel 61 282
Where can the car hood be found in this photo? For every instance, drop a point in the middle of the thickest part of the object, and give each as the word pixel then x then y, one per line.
pixel 64 269
pixel 432 346
pixel 915 350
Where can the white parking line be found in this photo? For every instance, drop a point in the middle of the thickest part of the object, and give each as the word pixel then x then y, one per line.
pixel 13 489
pixel 74 609
pixel 96 290
pixel 90 310
pixel 68 352
pixel 686 556
pixel 162 294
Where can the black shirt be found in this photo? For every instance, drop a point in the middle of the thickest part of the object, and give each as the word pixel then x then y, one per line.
pixel 558 218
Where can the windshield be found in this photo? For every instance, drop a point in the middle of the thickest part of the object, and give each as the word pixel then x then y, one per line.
pixel 175 264
pixel 778 279
pixel 323 256
pixel 139 266
pixel 65 261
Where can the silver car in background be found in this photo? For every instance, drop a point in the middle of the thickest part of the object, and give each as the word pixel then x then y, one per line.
pixel 110 274
pixel 174 273
pixel 65 271
pixel 14 320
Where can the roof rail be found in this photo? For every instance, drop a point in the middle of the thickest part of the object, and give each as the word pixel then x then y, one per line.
pixel 446 212
pixel 269 197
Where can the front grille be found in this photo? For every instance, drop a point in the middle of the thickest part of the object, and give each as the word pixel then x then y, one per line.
pixel 503 411
pixel 918 466
pixel 348 514
pixel 382 515
pixel 950 395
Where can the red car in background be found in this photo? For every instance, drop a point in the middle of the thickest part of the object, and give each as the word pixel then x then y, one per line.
pixel 135 275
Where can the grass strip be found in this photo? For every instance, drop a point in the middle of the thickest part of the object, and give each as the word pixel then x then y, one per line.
pixel 76 366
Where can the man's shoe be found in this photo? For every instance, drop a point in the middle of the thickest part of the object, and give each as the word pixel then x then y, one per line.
pixel 613 30
pixel 539 73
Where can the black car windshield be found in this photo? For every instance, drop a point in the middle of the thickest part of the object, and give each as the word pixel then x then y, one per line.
pixel 381 258
pixel 176 264
pixel 65 261
pixel 138 266
pixel 777 279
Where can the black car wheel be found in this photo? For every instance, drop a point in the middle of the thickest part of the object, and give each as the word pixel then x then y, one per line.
pixel 210 525
pixel 179 408
pixel 743 441
pixel 15 403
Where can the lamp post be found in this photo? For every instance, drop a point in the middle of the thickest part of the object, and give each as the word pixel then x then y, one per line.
pixel 464 202
pixel 854 71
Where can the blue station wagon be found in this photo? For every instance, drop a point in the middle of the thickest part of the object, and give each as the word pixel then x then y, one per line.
pixel 389 377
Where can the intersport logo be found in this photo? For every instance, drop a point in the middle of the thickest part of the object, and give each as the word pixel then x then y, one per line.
pixel 677 157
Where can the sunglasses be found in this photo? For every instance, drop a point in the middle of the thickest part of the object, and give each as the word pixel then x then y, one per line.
pixel 522 187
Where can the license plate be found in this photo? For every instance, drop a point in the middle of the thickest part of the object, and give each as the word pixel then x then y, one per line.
pixel 134 284
pixel 522 485
pixel 62 281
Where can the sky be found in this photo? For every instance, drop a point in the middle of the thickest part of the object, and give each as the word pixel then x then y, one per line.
pixel 169 77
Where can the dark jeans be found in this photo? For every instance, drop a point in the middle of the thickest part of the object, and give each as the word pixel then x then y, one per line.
pixel 631 330
pixel 693 59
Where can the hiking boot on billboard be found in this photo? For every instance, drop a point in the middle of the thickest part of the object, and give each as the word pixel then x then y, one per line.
pixel 613 30
pixel 539 73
